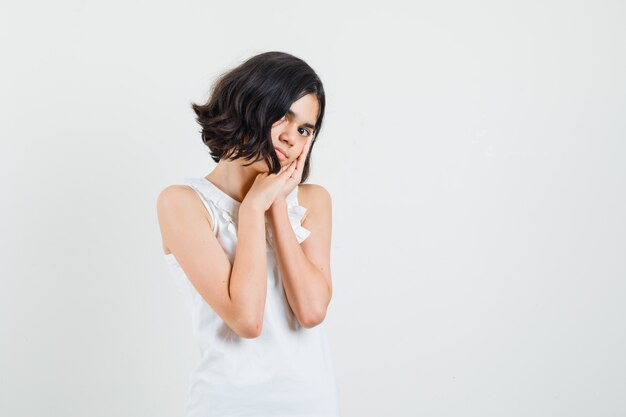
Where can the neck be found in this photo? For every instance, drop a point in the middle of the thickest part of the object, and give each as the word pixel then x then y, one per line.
pixel 233 178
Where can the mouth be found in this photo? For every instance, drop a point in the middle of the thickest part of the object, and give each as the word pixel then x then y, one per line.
pixel 281 154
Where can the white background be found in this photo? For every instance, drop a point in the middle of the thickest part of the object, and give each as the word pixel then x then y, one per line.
pixel 476 156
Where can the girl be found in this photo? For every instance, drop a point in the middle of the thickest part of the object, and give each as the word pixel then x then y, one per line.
pixel 250 248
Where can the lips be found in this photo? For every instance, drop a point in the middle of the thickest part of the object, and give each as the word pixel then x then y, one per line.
pixel 281 154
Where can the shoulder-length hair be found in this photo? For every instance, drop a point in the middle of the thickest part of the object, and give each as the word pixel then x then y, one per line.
pixel 247 100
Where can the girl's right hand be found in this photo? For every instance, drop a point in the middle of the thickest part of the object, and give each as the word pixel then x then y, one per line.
pixel 267 187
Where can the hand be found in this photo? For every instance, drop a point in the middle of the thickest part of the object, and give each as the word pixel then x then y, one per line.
pixel 295 178
pixel 267 187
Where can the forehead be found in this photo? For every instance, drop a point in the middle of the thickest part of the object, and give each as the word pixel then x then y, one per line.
pixel 306 109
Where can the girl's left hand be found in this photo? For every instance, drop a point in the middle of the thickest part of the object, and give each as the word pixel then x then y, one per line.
pixel 295 178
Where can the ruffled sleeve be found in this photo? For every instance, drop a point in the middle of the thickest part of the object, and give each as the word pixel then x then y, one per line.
pixel 296 214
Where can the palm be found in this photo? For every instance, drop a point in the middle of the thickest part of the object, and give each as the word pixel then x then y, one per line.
pixel 295 178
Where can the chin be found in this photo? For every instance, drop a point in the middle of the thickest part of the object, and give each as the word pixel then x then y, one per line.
pixel 261 166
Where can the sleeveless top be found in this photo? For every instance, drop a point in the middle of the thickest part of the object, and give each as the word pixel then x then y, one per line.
pixel 287 370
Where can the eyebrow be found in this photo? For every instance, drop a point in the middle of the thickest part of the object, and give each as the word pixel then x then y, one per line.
pixel 309 125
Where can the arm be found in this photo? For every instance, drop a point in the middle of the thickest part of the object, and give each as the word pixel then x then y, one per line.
pixel 248 285
pixel 236 293
pixel 305 267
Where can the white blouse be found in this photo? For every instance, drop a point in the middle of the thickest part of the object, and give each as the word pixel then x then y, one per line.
pixel 287 370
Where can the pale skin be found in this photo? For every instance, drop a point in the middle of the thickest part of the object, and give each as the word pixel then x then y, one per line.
pixel 237 292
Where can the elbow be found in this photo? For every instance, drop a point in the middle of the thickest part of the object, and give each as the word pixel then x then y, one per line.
pixel 246 322
pixel 250 330
pixel 312 319
pixel 314 316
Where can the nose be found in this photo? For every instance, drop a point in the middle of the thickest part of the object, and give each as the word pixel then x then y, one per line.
pixel 288 136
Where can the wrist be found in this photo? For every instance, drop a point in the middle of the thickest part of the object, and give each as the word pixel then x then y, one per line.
pixel 280 204
pixel 250 208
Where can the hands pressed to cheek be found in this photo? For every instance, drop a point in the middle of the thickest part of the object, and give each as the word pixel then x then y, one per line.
pixel 307 146
pixel 304 151
pixel 299 160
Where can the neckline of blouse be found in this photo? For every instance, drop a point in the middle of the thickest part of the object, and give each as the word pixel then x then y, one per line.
pixel 223 200
pixel 231 205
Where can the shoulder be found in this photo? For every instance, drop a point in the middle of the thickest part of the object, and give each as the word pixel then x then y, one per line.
pixel 176 200
pixel 313 196
pixel 174 196
pixel 314 189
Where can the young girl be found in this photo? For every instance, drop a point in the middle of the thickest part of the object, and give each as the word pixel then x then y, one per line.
pixel 250 248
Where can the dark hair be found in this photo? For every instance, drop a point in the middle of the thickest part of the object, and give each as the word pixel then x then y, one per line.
pixel 245 102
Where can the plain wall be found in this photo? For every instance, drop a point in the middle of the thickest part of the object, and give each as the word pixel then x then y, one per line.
pixel 476 157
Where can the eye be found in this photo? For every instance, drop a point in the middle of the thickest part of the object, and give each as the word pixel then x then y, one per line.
pixel 305 132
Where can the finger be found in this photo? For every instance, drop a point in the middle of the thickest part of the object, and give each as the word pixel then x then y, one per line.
pixel 290 168
pixel 302 159
pixel 297 173
pixel 285 168
pixel 305 150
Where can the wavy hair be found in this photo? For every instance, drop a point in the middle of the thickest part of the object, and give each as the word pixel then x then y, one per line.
pixel 245 102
